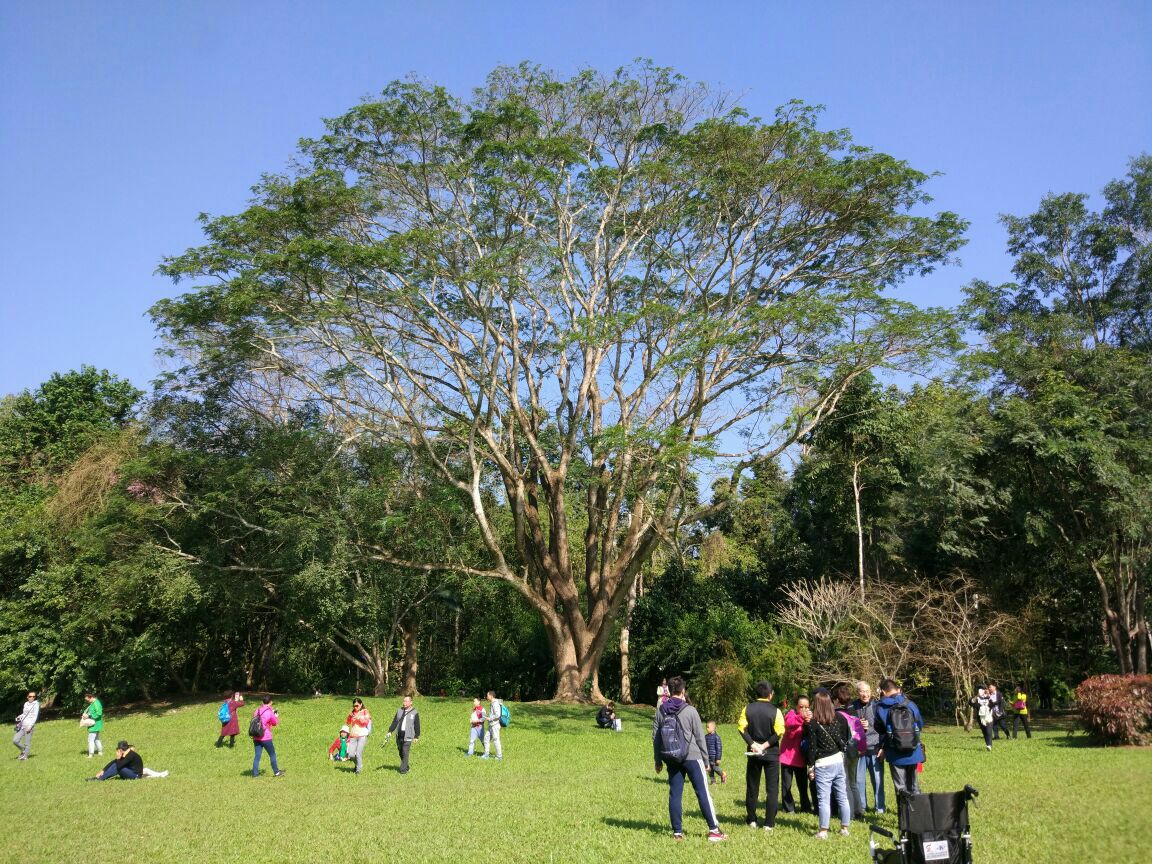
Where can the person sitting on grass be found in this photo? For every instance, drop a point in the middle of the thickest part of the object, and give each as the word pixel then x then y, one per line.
pixel 606 717
pixel 128 765
pixel 338 752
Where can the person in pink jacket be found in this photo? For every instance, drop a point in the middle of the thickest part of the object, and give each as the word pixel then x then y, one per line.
pixel 269 717
pixel 793 760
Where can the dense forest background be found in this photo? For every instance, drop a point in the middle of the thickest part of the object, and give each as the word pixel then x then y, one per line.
pixel 990 517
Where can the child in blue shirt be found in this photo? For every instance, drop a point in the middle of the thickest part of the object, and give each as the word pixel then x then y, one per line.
pixel 715 752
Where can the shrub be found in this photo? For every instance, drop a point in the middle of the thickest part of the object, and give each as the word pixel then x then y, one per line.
pixel 1117 708
pixel 719 689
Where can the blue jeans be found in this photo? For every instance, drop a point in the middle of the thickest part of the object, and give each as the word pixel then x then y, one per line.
pixel 477 734
pixel 264 745
pixel 123 773
pixel 870 768
pixel 693 769
pixel 832 780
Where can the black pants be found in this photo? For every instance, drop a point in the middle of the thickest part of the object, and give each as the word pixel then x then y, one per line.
pixel 1016 720
pixel 787 772
pixel 403 747
pixel 771 770
pixel 999 723
pixel 986 729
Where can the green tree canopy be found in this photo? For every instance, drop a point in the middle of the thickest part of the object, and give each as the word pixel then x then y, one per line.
pixel 562 295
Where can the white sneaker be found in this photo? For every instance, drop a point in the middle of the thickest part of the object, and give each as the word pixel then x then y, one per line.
pixel 162 774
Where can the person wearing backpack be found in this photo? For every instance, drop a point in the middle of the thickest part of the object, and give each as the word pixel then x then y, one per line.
pixel 260 731
pixel 678 744
pixel 901 723
pixel 761 725
pixel 229 717
pixel 829 738
pixel 492 730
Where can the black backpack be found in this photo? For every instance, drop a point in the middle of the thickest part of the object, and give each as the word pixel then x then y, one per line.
pixel 673 744
pixel 903 734
pixel 256 726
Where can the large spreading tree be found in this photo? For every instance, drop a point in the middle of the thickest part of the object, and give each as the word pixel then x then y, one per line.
pixel 564 295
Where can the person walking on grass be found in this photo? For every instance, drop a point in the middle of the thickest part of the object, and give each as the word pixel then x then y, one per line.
pixel 359 724
pixel 25 723
pixel 1020 711
pixel 476 729
pixel 869 767
pixel 999 715
pixel 492 732
pixel 829 737
pixel 761 724
pixel 230 727
pixel 406 725
pixel 983 706
pixel 793 757
pixel 678 744
pixel 900 725
pixel 262 736
pixel 93 720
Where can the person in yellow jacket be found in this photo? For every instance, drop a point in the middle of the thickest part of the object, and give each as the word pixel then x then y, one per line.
pixel 1020 710
pixel 761 725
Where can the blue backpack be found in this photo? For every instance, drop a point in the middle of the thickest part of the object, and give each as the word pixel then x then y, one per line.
pixel 224 714
pixel 505 717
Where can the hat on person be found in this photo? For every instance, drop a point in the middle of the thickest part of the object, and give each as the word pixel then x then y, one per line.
pixel 122 745
pixel 345 729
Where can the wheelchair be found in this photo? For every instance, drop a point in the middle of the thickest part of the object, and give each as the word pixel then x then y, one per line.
pixel 933 830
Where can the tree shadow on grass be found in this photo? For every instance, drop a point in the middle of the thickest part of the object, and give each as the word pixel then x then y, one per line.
pixel 1073 740
pixel 636 825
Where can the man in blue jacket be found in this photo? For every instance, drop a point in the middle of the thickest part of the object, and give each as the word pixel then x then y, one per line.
pixel 900 724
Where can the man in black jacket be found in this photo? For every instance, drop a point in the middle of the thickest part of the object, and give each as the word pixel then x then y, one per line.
pixel 761 725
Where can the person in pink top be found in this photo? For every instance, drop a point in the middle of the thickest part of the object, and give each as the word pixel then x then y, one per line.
pixel 359 725
pixel 269 717
pixel 793 760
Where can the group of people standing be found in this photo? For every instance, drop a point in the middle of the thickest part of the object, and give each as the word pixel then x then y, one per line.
pixel 831 745
pixel 484 726
pixel 992 714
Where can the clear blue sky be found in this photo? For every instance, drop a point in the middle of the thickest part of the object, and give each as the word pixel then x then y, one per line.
pixel 120 122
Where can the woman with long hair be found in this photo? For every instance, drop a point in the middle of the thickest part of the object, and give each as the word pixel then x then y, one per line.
pixel 359 725
pixel 829 737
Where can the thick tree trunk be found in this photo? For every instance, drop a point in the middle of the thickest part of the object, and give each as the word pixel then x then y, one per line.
pixel 411 660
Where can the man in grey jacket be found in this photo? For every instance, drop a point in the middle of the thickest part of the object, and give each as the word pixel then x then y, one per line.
pixel 406 725
pixel 25 724
pixel 678 722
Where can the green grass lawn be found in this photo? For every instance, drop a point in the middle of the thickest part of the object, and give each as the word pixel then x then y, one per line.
pixel 564 792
